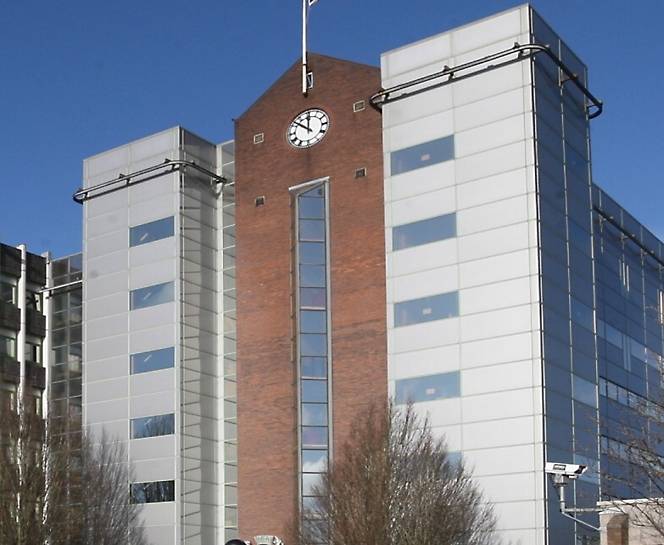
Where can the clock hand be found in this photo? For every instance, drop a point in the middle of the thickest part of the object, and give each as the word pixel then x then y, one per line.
pixel 303 126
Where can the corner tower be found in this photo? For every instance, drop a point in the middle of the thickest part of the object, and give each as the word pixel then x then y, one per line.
pixel 311 329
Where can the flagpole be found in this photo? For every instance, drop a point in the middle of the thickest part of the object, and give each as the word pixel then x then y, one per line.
pixel 304 47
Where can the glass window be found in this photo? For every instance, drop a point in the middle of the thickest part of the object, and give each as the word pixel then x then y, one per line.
pixel 33 352
pixel 584 391
pixel 428 388
pixel 422 155
pixel 153 360
pixel 313 344
pixel 314 437
pixel 313 321
pixel 153 426
pixel 582 314
pixel 313 298
pixel 312 276
pixel 309 482
pixel 314 414
pixel 8 347
pixel 576 162
pixel 311 208
pixel 423 232
pixel 152 295
pixel 33 300
pixel 314 367
pixel 158 491
pixel 427 309
pixel 7 293
pixel 314 391
pixel 313 461
pixel 312 253
pixel 149 232
pixel 312 230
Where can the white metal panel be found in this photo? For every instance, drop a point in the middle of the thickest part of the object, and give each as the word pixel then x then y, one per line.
pixel 497 350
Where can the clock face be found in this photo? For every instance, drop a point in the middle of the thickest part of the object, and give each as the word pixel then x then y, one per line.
pixel 308 128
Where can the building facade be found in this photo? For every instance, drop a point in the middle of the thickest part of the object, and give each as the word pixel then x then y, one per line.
pixel 22 330
pixel 428 230
pixel 64 355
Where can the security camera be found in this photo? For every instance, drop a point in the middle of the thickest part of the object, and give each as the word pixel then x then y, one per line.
pixel 571 471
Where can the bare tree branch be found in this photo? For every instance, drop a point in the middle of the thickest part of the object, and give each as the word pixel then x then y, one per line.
pixel 59 487
pixel 393 482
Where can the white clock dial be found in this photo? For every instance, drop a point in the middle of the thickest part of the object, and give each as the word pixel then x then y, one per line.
pixel 308 128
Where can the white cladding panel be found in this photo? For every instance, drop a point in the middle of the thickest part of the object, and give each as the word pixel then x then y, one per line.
pixel 492 338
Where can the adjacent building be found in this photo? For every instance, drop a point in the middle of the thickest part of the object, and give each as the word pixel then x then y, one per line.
pixel 22 330
pixel 428 230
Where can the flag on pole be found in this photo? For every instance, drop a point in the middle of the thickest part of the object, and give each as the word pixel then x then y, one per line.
pixel 312 2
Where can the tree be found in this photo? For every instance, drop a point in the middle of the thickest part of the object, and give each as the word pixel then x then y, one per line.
pixel 632 449
pixel 63 488
pixel 394 483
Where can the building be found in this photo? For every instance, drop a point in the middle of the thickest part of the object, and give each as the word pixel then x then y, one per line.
pixel 22 330
pixel 429 230
pixel 64 313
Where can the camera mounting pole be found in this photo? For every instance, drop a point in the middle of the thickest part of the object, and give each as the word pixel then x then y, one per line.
pixel 561 474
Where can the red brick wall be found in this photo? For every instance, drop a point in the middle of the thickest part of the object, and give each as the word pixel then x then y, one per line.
pixel 267 446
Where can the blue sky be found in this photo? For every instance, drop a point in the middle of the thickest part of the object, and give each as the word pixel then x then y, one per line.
pixel 78 77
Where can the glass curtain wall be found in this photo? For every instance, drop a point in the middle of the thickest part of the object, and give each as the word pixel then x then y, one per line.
pixel 567 275
pixel 66 308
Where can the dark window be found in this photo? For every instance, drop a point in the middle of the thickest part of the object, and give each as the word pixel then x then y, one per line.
pixel 33 300
pixel 153 492
pixel 8 347
pixel 149 232
pixel 33 352
pixel 7 293
pixel 423 232
pixel 422 155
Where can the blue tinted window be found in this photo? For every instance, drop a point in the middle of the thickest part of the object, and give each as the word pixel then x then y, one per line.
pixel 313 367
pixel 313 345
pixel 313 208
pixel 153 426
pixel 312 253
pixel 312 276
pixel 584 391
pixel 583 315
pixel 153 360
pixel 422 155
pixel 149 232
pixel 314 391
pixel 427 309
pixel 313 297
pixel 313 321
pixel 423 232
pixel 428 388
pixel 152 295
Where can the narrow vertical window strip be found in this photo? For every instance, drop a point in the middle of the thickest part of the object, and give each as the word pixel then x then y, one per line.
pixel 313 333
